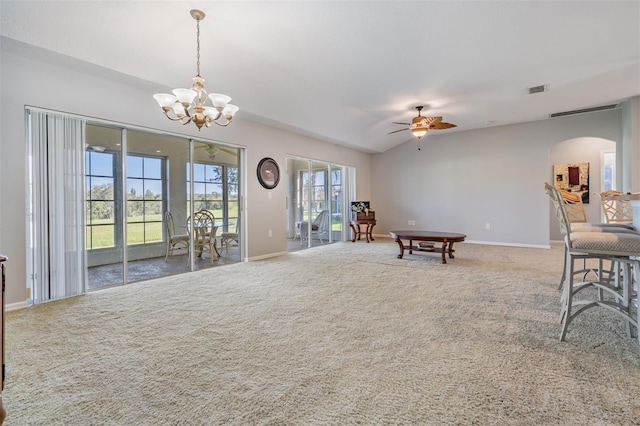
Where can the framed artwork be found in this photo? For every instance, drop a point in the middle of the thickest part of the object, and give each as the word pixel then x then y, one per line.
pixel 268 173
pixel 572 177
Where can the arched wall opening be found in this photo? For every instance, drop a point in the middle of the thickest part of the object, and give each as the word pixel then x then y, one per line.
pixel 574 151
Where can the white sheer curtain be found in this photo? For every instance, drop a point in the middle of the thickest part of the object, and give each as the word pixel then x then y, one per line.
pixel 56 256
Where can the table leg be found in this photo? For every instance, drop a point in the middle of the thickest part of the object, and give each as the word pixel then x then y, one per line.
pixel 355 233
pixel 444 248
pixel 401 248
pixel 451 256
pixel 370 230
pixel 410 246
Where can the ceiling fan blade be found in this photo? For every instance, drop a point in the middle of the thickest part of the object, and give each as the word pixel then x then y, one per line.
pixel 404 124
pixel 443 125
pixel 433 120
pixel 396 131
pixel 229 151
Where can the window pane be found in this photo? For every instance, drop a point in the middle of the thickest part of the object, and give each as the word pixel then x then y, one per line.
pixel 153 211
pixel 135 233
pixel 153 232
pixel 198 173
pixel 101 188
pixel 135 211
pixel 153 189
pixel 152 168
pixel 214 191
pixel 213 173
pixel 102 236
pixel 199 190
pixel 101 164
pixel 135 189
pixel 134 166
pixel 102 212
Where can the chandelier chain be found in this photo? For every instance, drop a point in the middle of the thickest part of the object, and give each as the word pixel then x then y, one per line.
pixel 198 46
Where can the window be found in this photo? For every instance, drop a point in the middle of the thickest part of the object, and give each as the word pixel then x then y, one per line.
pixel 215 188
pixel 100 199
pixel 144 199
pixel 608 171
pixel 313 190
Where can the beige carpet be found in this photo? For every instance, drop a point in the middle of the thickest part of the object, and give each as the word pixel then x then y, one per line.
pixel 345 334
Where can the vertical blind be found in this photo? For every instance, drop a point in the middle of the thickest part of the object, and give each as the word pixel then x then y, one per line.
pixel 56 254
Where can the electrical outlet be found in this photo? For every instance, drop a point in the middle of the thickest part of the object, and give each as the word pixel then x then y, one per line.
pixel 488 225
pixel 270 233
pixel 409 223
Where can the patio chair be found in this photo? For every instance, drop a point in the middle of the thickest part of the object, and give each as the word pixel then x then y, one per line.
pixel 227 237
pixel 174 241
pixel 319 227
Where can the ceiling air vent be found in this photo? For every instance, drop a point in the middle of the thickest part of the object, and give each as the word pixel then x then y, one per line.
pixel 582 111
pixel 538 89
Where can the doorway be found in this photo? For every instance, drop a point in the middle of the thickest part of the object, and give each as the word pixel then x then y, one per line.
pixel 317 194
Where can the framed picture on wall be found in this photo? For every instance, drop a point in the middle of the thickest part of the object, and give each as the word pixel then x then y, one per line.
pixel 573 177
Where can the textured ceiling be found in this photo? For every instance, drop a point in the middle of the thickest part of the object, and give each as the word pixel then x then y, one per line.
pixel 343 71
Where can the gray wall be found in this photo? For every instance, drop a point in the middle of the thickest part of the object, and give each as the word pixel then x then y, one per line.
pixel 39 78
pixel 460 182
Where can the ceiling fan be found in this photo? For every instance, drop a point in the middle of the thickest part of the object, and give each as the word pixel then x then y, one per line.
pixel 420 125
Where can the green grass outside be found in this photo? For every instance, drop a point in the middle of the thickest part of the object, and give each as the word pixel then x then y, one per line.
pixel 101 234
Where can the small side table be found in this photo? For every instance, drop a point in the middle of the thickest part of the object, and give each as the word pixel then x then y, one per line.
pixel 368 229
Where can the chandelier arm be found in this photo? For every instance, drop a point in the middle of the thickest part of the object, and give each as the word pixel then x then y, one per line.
pixel 176 118
pixel 223 124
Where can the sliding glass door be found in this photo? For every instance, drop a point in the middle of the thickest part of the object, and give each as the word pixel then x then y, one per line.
pixel 138 204
pixel 316 201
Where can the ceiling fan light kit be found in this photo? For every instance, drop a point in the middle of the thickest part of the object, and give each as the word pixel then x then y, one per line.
pixel 188 105
pixel 420 125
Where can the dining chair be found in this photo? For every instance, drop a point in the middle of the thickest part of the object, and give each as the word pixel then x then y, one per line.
pixel 615 209
pixel 203 226
pixel 174 241
pixel 614 295
pixel 578 222
pixel 227 237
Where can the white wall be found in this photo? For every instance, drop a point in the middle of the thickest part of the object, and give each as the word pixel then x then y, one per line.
pixel 461 181
pixel 39 78
pixel 630 176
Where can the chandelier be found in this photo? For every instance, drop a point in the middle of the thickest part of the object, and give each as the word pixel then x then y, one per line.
pixel 188 105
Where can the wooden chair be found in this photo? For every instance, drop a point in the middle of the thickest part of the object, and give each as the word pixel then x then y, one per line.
pixel 174 241
pixel 616 210
pixel 204 229
pixel 620 248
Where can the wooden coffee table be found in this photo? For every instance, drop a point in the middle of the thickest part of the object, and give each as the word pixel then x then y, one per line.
pixel 445 238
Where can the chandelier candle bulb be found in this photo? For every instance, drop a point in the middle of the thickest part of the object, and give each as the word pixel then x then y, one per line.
pixel 188 105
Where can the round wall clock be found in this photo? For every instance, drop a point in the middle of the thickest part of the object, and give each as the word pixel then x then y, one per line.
pixel 268 173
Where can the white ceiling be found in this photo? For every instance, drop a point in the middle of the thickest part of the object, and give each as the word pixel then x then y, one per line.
pixel 343 71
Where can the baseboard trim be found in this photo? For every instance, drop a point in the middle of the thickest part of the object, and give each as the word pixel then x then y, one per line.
pixel 16 306
pixel 491 243
pixel 488 243
pixel 266 256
